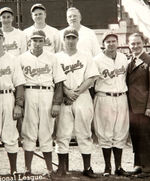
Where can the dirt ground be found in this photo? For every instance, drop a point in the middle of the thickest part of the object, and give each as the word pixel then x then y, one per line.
pixel 75 165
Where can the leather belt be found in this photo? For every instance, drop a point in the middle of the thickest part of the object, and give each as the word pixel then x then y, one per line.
pixel 110 94
pixel 5 91
pixel 114 94
pixel 37 87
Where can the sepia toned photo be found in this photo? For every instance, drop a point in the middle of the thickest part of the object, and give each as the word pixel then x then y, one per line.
pixel 74 90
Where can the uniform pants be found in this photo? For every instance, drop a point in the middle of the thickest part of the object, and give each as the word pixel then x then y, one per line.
pixel 38 123
pixel 8 131
pixel 79 116
pixel 111 120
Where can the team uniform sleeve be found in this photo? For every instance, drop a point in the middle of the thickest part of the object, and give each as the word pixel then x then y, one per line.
pixel 18 77
pixel 91 69
pixel 58 73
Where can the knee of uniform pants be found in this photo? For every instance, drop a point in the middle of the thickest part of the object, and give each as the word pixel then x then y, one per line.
pixel 11 148
pixel 105 143
pixel 47 146
pixel 85 145
pixel 120 142
pixel 62 145
pixel 29 145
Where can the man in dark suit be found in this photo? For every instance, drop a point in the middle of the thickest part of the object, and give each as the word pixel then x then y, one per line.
pixel 138 80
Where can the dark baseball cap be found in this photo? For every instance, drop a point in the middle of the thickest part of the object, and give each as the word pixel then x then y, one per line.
pixel 37 6
pixel 71 32
pixel 1 32
pixel 37 34
pixel 6 9
pixel 108 34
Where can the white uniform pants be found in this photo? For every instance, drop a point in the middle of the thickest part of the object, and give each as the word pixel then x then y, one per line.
pixel 111 120
pixel 38 123
pixel 8 131
pixel 79 116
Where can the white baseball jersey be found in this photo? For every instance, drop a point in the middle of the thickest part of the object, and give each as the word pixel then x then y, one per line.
pixel 44 70
pixel 77 67
pixel 112 73
pixel 87 41
pixel 38 123
pixel 15 42
pixel 78 116
pixel 11 76
pixel 53 42
pixel 111 114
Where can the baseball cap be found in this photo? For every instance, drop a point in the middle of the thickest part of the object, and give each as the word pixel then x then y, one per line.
pixel 71 32
pixel 1 32
pixel 37 34
pixel 107 34
pixel 37 6
pixel 6 9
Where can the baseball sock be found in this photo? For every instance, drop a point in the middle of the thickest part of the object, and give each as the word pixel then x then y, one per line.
pixel 48 160
pixel 12 160
pixel 86 161
pixel 28 160
pixel 107 157
pixel 117 155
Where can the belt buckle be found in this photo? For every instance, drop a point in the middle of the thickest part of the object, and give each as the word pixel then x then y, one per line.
pixel 40 87
pixel 112 94
pixel 117 94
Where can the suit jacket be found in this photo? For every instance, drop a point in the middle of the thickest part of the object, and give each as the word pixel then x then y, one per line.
pixel 138 81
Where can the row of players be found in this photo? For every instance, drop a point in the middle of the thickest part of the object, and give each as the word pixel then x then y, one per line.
pixel 46 76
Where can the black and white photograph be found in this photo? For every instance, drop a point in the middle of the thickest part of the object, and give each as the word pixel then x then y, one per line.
pixel 74 90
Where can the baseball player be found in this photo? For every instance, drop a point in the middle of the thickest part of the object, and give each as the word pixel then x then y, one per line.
pixel 52 40
pixel 87 39
pixel 77 108
pixel 15 40
pixel 11 102
pixel 111 115
pixel 43 74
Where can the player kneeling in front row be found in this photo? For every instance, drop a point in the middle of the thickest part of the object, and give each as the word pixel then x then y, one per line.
pixel 77 107
pixel 111 117
pixel 43 96
pixel 11 83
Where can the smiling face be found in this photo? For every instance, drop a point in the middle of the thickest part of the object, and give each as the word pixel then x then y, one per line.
pixel 6 19
pixel 111 43
pixel 39 16
pixel 73 17
pixel 136 44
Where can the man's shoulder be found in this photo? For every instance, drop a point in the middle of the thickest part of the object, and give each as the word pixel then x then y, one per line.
pixel 51 28
pixel 145 57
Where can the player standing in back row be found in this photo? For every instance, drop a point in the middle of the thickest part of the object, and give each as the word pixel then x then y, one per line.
pixel 52 40
pixel 15 40
pixel 87 38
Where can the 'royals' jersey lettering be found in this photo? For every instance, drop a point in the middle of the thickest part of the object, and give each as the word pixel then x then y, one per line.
pixel 6 71
pixel 114 73
pixel 36 71
pixel 73 67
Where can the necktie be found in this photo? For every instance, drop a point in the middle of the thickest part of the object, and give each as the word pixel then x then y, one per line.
pixel 133 61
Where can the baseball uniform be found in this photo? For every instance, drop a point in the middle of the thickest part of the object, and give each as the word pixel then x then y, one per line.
pixel 11 76
pixel 87 41
pixel 53 43
pixel 42 73
pixel 79 115
pixel 111 117
pixel 15 42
